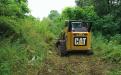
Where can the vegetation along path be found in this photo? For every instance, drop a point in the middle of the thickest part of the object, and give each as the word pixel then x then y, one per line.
pixel 25 41
pixel 73 64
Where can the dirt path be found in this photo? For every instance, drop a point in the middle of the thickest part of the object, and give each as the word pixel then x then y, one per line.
pixel 74 64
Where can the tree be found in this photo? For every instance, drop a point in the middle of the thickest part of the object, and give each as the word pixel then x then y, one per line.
pixel 13 7
pixel 105 7
pixel 73 13
pixel 83 3
pixel 77 13
pixel 53 14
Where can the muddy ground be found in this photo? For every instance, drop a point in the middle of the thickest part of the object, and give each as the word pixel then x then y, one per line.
pixel 73 64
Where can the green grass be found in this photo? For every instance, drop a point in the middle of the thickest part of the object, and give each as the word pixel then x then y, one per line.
pixel 13 58
pixel 115 71
pixel 24 50
pixel 109 51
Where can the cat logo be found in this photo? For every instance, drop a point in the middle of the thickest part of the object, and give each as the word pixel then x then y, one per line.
pixel 80 41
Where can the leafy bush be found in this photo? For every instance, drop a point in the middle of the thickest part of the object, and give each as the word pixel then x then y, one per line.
pixel 20 53
pixel 107 49
pixel 116 39
pixel 8 26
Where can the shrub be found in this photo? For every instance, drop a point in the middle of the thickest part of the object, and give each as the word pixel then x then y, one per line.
pixel 108 50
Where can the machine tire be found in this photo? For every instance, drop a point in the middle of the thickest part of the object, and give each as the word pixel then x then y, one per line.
pixel 90 52
pixel 62 51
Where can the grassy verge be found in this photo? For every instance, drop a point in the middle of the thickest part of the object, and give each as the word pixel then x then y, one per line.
pixel 109 51
pixel 22 52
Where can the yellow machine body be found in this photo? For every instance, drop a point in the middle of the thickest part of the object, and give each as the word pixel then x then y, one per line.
pixel 75 37
pixel 77 40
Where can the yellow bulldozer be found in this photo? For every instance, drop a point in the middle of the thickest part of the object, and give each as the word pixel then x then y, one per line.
pixel 75 37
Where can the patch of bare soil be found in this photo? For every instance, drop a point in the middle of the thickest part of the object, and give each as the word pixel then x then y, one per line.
pixel 74 64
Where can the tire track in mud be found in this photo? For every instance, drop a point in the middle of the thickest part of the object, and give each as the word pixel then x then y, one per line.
pixel 74 64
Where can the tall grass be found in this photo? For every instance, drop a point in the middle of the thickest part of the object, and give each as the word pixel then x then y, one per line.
pixel 13 58
pixel 108 49
pixel 25 49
